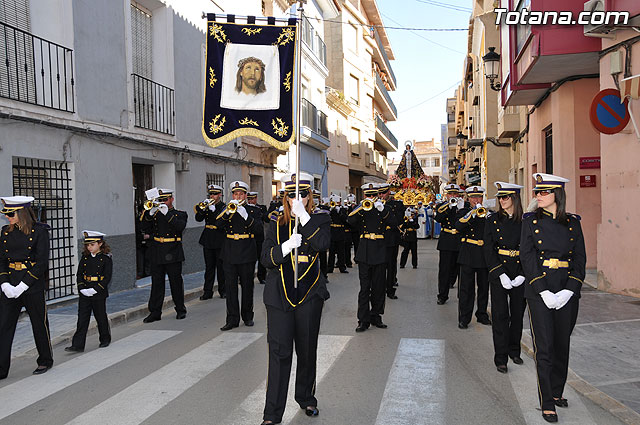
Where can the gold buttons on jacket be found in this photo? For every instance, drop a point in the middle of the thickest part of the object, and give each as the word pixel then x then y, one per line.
pixel 537 231
pixel 540 241
pixel 535 221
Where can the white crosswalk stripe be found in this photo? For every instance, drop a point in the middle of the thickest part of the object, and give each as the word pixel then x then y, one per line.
pixel 27 391
pixel 251 409
pixel 416 388
pixel 139 401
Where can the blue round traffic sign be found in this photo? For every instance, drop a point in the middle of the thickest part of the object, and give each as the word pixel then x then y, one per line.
pixel 608 113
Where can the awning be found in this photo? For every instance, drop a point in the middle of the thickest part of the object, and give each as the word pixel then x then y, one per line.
pixel 630 87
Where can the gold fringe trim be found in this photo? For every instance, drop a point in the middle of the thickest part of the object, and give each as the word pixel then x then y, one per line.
pixel 214 143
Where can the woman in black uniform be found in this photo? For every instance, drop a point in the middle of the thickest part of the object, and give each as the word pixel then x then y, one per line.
pixel 294 311
pixel 502 253
pixel 24 260
pixel 553 257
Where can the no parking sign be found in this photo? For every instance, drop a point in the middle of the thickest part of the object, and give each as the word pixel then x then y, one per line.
pixel 608 113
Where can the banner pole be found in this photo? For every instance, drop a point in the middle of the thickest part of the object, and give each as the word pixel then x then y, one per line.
pixel 298 72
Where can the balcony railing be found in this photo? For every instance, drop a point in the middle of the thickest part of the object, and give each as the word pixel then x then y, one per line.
pixel 34 70
pixel 385 57
pixel 385 93
pixel 314 119
pixel 385 130
pixel 154 105
pixel 313 41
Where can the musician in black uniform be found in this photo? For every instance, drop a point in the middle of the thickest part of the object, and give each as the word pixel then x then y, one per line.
pixel 293 313
pixel 276 204
pixel 553 257
pixel 391 238
pixel 321 208
pixel 165 224
pixel 24 260
pixel 409 229
pixel 241 222
pixel 502 254
pixel 473 267
pixel 93 277
pixel 261 212
pixel 350 205
pixel 449 241
pixel 371 217
pixel 211 240
pixel 338 215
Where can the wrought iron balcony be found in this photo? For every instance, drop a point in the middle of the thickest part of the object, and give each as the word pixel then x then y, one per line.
pixel 313 118
pixel 154 105
pixel 387 97
pixel 36 71
pixel 385 57
pixel 313 41
pixel 380 125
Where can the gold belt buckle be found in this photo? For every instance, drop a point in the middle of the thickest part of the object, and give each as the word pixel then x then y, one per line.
pixel 513 253
pixel 553 263
pixel 236 237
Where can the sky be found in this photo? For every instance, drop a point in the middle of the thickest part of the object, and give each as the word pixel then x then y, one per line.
pixel 428 65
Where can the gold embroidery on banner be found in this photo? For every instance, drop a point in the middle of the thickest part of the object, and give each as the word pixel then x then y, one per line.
pixel 247 121
pixel 287 82
pixel 214 126
pixel 250 31
pixel 285 36
pixel 212 78
pixel 218 33
pixel 279 128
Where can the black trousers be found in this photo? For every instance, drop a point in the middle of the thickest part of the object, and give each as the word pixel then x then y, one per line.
pixel 213 264
pixel 551 333
pixel 448 270
pixel 371 295
pixel 284 329
pixel 347 250
pixel 336 249
pixel 9 312
pixel 355 239
pixel 86 305
pixel 391 269
pixel 143 261
pixel 507 310
pixel 262 271
pixel 467 293
pixel 158 272
pixel 244 274
pixel 413 247
pixel 323 262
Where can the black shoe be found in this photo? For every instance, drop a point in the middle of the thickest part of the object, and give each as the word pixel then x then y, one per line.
pixel 362 327
pixel 485 321
pixel 502 368
pixel 311 411
pixel 349 266
pixel 41 369
pixel 206 297
pixel 4 376
pixel 561 402
pixel 248 323
pixel 550 417
pixel 452 285
pixel 104 344
pixel 415 267
pixel 393 296
pixel 402 267
pixel 228 327
pixel 223 296
pixel 151 318
pixel 330 271
pixel 462 325
pixel 441 301
pixel 181 315
pixel 517 360
pixel 379 325
pixel 73 349
pixel 344 271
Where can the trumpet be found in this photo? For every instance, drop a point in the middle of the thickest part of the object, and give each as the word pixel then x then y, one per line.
pixel 204 204
pixel 332 204
pixel 367 204
pixel 150 204
pixel 233 207
pixel 481 212
pixel 453 202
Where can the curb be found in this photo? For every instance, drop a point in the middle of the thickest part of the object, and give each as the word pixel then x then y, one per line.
pixel 606 402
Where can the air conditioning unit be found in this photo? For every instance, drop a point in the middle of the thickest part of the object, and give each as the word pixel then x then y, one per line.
pixel 599 30
pixel 183 160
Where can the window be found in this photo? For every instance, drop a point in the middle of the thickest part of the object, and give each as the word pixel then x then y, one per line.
pixel 548 150
pixel 354 141
pixel 354 89
pixel 351 37
pixel 215 179
pixel 436 162
pixel 15 13
pixel 141 42
pixel 522 31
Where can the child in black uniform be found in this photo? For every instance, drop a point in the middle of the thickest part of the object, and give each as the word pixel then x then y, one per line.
pixel 94 275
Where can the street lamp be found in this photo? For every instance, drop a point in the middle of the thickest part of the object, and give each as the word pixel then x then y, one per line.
pixel 491 68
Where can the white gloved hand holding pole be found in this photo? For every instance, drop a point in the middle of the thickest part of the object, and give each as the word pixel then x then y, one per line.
pixel 505 281
pixel 563 298
pixel 294 242
pixel 549 299
pixel 519 280
pixel 298 210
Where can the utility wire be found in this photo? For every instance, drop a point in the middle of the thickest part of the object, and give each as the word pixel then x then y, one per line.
pixel 431 98
pixel 385 26
pixel 446 6
pixel 425 38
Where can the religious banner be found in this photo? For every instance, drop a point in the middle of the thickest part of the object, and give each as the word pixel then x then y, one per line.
pixel 249 82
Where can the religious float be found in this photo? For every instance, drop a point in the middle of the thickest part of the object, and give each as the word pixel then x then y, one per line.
pixel 410 182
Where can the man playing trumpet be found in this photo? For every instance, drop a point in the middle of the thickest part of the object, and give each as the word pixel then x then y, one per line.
pixel 211 240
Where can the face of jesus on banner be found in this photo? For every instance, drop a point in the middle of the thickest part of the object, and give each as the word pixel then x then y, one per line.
pixel 251 76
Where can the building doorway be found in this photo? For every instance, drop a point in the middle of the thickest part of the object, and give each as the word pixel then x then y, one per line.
pixel 142 180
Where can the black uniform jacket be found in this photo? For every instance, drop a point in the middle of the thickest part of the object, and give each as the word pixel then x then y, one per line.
pixel 95 272
pixel 392 231
pixel 31 252
pixel 211 237
pixel 471 233
pixel 274 206
pixel 338 222
pixel 279 290
pixel 258 215
pixel 265 213
pixel 552 254
pixel 372 225
pixel 240 236
pixel 409 228
pixel 502 246
pixel 166 235
pixel 449 239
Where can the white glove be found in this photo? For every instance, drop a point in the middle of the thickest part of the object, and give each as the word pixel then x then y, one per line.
pixel 153 211
pixel 294 242
pixel 407 213
pixel 298 209
pixel 337 207
pixel 163 208
pixel 243 212
pixel 8 290
pixel 478 205
pixel 18 290
pixel 505 281
pixel 212 207
pixel 460 203
pixel 563 298
pixel 85 292
pixel 549 299
pixel 519 280
pixel 379 205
